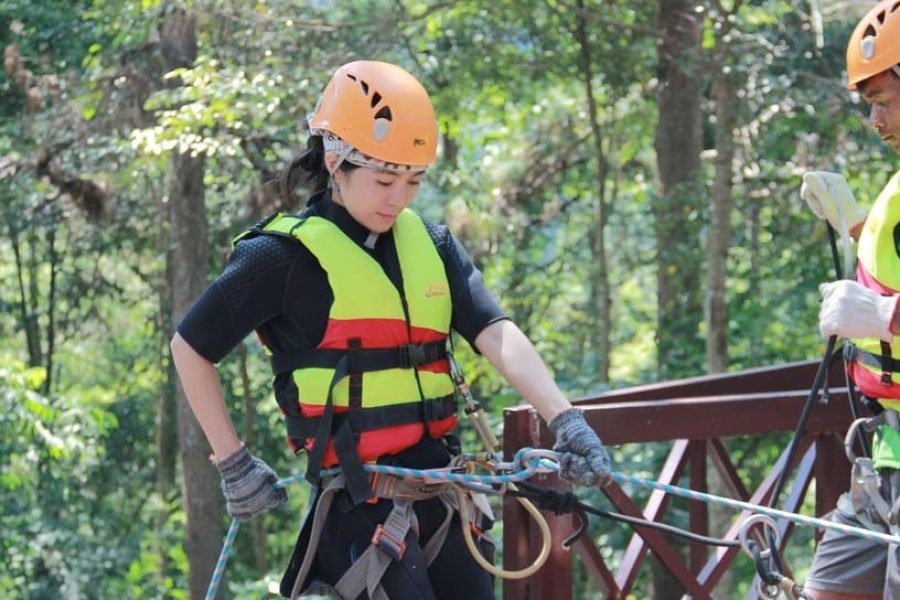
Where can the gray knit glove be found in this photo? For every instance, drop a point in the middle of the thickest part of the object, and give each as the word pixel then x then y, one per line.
pixel 582 457
pixel 249 485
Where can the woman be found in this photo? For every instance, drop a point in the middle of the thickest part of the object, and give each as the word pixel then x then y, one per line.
pixel 355 298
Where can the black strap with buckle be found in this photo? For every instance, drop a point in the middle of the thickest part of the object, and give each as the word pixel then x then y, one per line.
pixel 407 356
pixel 366 419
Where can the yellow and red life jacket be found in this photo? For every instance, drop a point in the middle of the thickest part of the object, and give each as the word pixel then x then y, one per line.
pixel 380 378
pixel 874 364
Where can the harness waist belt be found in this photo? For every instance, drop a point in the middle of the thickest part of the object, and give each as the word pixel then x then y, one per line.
pixel 376 418
pixel 408 356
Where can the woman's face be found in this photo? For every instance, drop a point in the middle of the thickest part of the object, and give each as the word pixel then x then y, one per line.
pixel 374 198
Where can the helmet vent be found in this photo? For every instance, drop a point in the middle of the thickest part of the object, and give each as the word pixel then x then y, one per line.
pixel 376 98
pixel 894 7
pixel 871 32
pixel 880 18
pixel 384 113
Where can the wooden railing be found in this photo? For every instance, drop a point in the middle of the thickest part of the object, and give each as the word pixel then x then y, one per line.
pixel 695 414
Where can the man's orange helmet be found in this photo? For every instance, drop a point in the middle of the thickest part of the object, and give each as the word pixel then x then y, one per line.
pixel 875 44
pixel 381 111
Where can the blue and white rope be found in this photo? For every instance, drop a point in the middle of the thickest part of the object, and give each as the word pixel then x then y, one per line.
pixel 882 538
pixel 223 560
pixel 530 461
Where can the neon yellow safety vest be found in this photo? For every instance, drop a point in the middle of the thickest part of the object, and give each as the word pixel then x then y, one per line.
pixel 380 377
pixel 873 366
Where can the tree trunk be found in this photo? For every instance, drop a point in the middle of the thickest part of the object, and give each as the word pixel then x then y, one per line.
pixel 54 259
pixel 600 294
pixel 189 256
pixel 201 495
pixel 678 207
pixel 720 227
pixel 166 432
pixel 28 317
pixel 677 210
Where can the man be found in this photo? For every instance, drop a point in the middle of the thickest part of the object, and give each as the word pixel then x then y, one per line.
pixel 865 312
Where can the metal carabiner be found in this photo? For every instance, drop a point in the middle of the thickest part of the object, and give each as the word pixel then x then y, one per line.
pixel 869 424
pixel 749 522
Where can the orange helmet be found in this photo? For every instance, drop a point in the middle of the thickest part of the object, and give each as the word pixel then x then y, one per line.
pixel 874 46
pixel 381 111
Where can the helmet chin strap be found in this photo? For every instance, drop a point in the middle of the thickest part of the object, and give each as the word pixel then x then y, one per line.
pixel 336 145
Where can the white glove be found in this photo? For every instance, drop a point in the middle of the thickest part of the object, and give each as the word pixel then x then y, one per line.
pixel 851 310
pixel 829 197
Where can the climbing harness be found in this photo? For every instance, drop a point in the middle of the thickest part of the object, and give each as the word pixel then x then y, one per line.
pixel 451 483
pixel 864 492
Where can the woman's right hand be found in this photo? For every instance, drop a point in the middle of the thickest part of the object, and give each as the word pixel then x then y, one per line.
pixel 249 485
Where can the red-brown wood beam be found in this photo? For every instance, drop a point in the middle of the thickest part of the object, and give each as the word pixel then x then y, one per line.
pixel 656 506
pixel 518 538
pixel 597 569
pixel 698 511
pixel 791 376
pixel 722 462
pixel 833 466
pixel 657 543
pixel 713 417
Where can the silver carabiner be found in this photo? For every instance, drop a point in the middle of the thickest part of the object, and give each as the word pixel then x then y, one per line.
pixel 749 522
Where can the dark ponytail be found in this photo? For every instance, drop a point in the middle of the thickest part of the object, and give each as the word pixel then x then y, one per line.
pixel 306 169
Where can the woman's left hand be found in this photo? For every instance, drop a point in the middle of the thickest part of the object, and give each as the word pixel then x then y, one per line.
pixel 582 457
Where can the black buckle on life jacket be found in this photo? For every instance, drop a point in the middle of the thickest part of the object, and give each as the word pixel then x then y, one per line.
pixel 411 356
pixel 388 544
pixel 886 364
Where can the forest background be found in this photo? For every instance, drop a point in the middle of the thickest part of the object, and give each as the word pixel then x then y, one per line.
pixel 625 173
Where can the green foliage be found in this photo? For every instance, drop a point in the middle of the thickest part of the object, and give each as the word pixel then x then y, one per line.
pixel 52 447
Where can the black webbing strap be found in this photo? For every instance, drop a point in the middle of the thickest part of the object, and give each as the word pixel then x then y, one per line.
pixel 354 385
pixel 379 417
pixel 407 356
pixel 344 445
pixel 887 364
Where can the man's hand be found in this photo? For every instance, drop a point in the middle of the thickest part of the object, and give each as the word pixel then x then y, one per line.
pixel 852 310
pixel 829 197
pixel 582 457
pixel 249 485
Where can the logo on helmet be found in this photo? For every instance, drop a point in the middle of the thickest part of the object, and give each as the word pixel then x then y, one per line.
pixel 420 142
pixel 867 47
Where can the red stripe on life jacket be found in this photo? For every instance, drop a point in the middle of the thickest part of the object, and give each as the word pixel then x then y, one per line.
pixel 381 333
pixel 389 440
